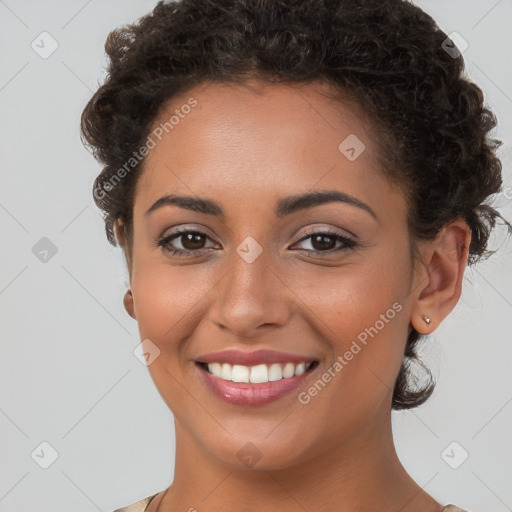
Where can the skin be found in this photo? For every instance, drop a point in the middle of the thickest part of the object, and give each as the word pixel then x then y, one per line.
pixel 245 148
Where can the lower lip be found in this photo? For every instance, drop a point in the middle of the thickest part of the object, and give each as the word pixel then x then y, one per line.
pixel 241 393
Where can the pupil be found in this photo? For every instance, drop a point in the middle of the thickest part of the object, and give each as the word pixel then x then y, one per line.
pixel 193 241
pixel 323 244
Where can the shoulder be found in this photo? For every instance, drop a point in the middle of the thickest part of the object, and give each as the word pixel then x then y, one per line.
pixel 140 506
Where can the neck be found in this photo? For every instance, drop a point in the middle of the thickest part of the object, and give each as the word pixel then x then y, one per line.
pixel 360 473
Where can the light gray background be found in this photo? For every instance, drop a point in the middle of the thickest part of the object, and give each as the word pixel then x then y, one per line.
pixel 68 373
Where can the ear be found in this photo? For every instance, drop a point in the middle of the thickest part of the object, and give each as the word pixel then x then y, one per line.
pixel 120 234
pixel 439 279
pixel 128 303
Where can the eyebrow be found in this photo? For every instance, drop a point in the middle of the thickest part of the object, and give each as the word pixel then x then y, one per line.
pixel 285 206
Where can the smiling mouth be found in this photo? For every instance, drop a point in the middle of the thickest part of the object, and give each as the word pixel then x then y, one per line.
pixel 258 374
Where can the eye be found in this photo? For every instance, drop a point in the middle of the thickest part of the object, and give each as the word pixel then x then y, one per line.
pixel 325 241
pixel 191 241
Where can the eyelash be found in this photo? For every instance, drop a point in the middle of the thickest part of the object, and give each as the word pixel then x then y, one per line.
pixel 164 242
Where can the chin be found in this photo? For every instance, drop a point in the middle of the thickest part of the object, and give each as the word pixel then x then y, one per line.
pixel 259 453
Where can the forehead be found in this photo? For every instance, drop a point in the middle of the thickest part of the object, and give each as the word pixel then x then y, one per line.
pixel 257 140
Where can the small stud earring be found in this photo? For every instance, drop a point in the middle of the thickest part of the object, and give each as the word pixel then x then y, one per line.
pixel 426 319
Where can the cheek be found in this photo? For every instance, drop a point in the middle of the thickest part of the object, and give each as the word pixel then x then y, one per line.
pixel 169 305
pixel 169 299
pixel 362 313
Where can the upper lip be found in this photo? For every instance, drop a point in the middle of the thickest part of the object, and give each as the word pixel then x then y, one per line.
pixel 234 356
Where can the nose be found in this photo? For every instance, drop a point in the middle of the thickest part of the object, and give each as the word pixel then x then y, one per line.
pixel 251 298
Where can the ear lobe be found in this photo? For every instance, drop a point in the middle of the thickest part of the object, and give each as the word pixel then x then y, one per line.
pixel 128 303
pixel 445 267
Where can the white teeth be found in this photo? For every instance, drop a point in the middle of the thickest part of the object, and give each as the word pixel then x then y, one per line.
pixel 275 372
pixel 225 372
pixel 257 374
pixel 288 370
pixel 215 368
pixel 300 369
pixel 240 373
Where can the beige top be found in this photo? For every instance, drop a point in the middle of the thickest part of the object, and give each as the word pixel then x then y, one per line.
pixel 142 505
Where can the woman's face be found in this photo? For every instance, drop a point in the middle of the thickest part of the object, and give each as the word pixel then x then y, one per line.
pixel 257 278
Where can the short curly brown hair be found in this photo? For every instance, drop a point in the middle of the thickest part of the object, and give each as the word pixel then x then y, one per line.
pixel 388 55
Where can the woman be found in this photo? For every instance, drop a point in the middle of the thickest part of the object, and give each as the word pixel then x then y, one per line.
pixel 297 186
